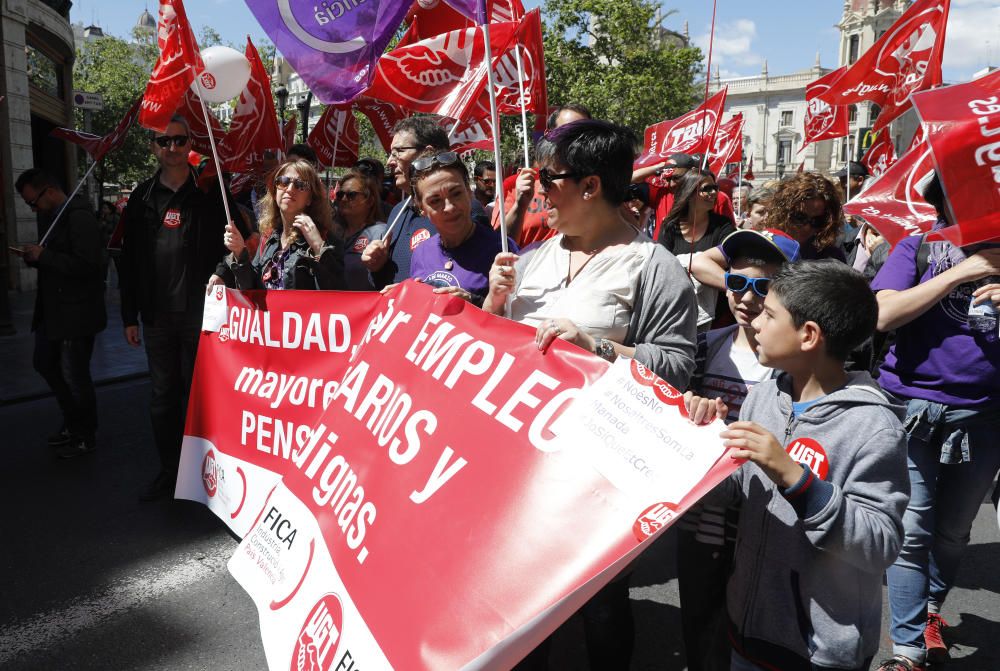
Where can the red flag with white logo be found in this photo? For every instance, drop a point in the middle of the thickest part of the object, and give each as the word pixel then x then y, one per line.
pixel 335 132
pixel 288 129
pixel 469 135
pixel 190 109
pixel 383 116
pixel 967 155
pixel 824 121
pixel 98 146
pixel 176 67
pixel 728 145
pixel 441 75
pixel 254 128
pixel 880 156
pixel 691 133
pixel 428 19
pixel 748 175
pixel 893 203
pixel 905 60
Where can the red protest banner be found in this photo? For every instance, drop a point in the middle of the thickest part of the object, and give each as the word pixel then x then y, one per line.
pixel 727 147
pixel 176 67
pixel 966 154
pixel 880 156
pixel 254 128
pixel 893 203
pixel 98 146
pixel 436 512
pixel 824 121
pixel 335 137
pixel 687 134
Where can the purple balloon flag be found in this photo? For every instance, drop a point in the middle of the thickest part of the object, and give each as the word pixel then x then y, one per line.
pixel 472 9
pixel 332 44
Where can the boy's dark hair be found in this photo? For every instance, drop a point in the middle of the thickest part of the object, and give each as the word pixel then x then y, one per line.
pixel 482 167
pixel 303 151
pixel 550 122
pixel 833 295
pixel 590 147
pixel 37 178
pixel 425 131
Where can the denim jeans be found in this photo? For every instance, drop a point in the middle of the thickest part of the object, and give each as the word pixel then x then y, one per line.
pixel 171 346
pixel 65 365
pixel 944 501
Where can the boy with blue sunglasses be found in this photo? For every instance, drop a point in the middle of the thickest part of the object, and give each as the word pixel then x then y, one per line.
pixel 726 367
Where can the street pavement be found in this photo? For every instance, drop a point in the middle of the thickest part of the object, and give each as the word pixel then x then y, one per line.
pixel 93 579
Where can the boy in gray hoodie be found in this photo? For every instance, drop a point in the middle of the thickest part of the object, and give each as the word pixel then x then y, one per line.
pixel 824 486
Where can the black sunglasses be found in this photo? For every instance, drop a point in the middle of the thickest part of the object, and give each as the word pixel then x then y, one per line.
pixel 166 140
pixel 708 188
pixel 348 195
pixel 547 178
pixel 445 158
pixel 33 203
pixel 285 181
pixel 740 283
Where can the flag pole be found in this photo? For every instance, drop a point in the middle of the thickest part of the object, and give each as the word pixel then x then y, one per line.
pixel 395 220
pixel 739 187
pixel 497 158
pixel 524 111
pixel 336 141
pixel 708 78
pixel 86 176
pixel 215 153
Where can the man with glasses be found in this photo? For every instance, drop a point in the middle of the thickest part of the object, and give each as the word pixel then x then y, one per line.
pixel 661 189
pixel 485 184
pixel 172 245
pixel 389 260
pixel 69 307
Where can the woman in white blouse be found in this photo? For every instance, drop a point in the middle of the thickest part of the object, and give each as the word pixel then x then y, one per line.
pixel 607 288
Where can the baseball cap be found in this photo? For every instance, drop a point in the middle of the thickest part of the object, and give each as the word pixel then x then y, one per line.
pixel 682 161
pixel 856 169
pixel 769 244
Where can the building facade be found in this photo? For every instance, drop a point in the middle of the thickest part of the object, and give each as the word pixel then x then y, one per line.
pixel 774 107
pixel 36 81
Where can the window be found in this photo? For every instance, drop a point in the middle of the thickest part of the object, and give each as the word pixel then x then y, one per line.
pixel 44 73
pixel 786 118
pixel 853 46
pixel 785 151
pixel 852 114
pixel 845 145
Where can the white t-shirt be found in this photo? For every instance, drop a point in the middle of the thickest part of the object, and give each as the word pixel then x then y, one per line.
pixel 730 374
pixel 600 298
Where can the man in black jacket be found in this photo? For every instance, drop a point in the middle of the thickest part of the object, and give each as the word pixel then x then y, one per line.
pixel 69 307
pixel 172 244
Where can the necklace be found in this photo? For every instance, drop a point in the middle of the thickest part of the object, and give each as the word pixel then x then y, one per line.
pixel 450 263
pixel 570 275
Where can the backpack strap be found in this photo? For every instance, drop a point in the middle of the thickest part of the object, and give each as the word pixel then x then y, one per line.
pixel 923 256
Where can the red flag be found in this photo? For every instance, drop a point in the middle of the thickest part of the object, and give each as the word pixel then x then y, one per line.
pixel 824 121
pixel 442 75
pixel 176 67
pixel 918 138
pixel 967 155
pixel 802 167
pixel 469 135
pixel 880 156
pixel 337 131
pixel 191 110
pixel 384 117
pixel 728 145
pixel 748 175
pixel 241 183
pixel 288 132
pixel 893 203
pixel 98 146
pixel 426 20
pixel 254 128
pixel 906 59
pixel 688 134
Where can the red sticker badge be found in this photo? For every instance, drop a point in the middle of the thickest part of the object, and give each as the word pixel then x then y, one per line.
pixel 419 236
pixel 172 219
pixel 653 519
pixel 360 244
pixel 316 645
pixel 808 452
pixel 210 474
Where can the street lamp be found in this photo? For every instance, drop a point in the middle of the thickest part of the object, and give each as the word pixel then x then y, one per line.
pixel 304 106
pixel 781 167
pixel 281 93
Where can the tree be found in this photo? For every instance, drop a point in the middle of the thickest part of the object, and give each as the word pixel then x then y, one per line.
pixel 610 56
pixel 118 70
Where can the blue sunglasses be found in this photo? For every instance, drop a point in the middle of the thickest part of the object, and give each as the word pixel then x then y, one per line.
pixel 740 283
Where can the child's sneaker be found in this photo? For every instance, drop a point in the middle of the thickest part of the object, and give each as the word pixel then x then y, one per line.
pixel 937 649
pixel 900 663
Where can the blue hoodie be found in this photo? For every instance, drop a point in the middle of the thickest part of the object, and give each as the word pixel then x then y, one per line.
pixel 807 578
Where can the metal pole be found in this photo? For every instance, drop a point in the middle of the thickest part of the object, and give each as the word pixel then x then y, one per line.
pixel 497 157
pixel 524 111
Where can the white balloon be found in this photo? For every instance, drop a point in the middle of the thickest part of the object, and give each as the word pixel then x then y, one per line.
pixel 227 72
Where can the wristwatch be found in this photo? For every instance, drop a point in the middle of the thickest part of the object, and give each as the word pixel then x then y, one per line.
pixel 605 349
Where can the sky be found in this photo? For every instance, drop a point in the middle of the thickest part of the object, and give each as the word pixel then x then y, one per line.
pixel 786 35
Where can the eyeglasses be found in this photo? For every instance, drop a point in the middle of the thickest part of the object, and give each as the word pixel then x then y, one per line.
pixel 547 178
pixel 484 180
pixel 348 195
pixel 396 151
pixel 740 283
pixel 443 159
pixel 803 219
pixel 708 188
pixel 285 181
pixel 33 203
pixel 177 140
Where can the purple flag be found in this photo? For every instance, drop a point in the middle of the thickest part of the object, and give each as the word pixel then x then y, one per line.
pixel 332 44
pixel 471 9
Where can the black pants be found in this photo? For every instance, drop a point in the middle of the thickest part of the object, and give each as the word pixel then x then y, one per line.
pixel 171 345
pixel 702 572
pixel 65 365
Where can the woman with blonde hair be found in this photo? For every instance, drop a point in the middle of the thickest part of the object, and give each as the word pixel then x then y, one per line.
pixel 357 220
pixel 297 249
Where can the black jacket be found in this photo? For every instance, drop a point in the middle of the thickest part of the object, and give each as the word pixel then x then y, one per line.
pixel 70 298
pixel 204 217
pixel 300 270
